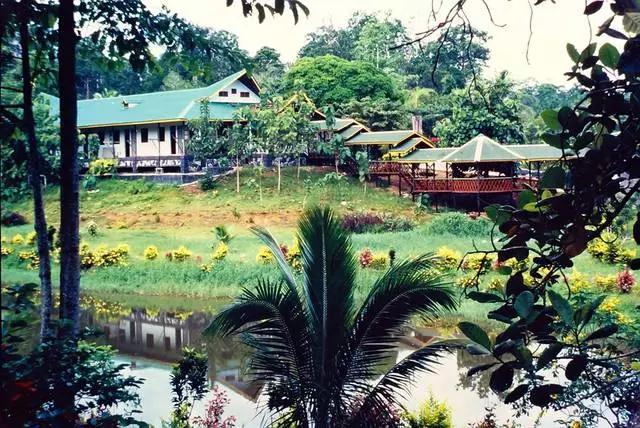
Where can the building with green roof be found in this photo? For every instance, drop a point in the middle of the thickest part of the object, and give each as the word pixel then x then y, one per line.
pixel 146 131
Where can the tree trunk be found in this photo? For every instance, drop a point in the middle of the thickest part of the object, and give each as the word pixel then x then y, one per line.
pixel 298 174
pixel 337 162
pixel 34 176
pixel 279 162
pixel 69 197
pixel 237 174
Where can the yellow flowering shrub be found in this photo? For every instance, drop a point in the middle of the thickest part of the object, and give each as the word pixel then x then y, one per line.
pixel 32 257
pixel 179 255
pixel 103 256
pixel 265 256
pixel 578 281
pixel 610 304
pixel 220 252
pixel 475 262
pixel 605 282
pixel 102 166
pixel 3 239
pixel 5 251
pixel 379 261
pixel 206 267
pixel 17 239
pixel 30 239
pixel 294 255
pixel 466 281
pixel 495 285
pixel 447 258
pixel 151 252
pixel 608 249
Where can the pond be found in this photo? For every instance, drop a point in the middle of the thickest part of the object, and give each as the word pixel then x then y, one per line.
pixel 150 340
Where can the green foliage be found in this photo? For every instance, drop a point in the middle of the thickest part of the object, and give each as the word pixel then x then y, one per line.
pixel 459 224
pixel 492 109
pixel 205 141
pixel 102 166
pixel 188 385
pixel 431 414
pixel 292 326
pixel 207 183
pixel 379 114
pixel 331 80
pixel 60 380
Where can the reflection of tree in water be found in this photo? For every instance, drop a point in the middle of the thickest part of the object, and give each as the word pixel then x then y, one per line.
pixel 479 382
pixel 229 362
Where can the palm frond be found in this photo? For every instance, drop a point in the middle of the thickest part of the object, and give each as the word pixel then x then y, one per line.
pixel 270 241
pixel 406 290
pixel 270 319
pixel 391 388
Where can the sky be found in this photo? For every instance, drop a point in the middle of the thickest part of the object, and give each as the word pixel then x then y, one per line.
pixel 553 26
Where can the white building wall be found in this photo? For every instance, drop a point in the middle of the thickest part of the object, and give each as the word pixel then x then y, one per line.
pixel 237 98
pixel 153 147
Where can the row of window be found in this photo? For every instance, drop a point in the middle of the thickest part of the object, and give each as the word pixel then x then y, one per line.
pixel 243 94
pixel 144 135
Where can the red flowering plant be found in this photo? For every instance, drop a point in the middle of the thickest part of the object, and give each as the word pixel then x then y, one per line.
pixel 213 412
pixel 625 281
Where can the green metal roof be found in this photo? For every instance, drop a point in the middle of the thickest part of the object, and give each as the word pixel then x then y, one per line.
pixel 381 137
pixel 426 155
pixel 154 107
pixel 482 149
pixel 536 152
pixel 352 130
pixel 339 124
pixel 408 145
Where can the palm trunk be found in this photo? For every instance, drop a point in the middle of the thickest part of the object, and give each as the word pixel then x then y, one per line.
pixel 40 221
pixel 69 196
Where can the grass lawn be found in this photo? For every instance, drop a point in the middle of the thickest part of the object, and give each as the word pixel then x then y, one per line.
pixel 141 214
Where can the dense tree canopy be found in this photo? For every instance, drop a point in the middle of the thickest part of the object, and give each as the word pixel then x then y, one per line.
pixel 332 80
pixel 490 108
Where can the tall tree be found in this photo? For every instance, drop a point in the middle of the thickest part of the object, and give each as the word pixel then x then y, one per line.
pixel 318 352
pixel 489 107
pixel 377 43
pixel 451 61
pixel 331 80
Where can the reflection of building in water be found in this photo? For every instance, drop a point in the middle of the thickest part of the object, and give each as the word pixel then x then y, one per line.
pixel 161 337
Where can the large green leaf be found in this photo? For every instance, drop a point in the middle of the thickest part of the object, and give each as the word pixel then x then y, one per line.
pixel 476 334
pixel 573 52
pixel 549 354
pixel 523 304
pixel 502 378
pixel 609 55
pixel 562 307
pixel 553 178
pixel 550 118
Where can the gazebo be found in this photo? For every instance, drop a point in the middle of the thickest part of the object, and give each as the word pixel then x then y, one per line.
pixel 480 166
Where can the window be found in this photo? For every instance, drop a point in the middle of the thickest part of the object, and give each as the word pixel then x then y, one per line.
pixel 161 133
pixel 244 94
pixel 101 136
pixel 116 136
pixel 144 135
pixel 223 94
pixel 150 340
pixel 234 91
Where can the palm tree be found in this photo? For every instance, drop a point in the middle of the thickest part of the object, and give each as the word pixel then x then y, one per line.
pixel 316 350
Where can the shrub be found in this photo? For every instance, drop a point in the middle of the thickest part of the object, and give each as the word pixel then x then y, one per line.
pixel 365 258
pixel 180 254
pixel 478 262
pixel 361 222
pixel 379 261
pixel 368 222
pixel 220 252
pixel 222 234
pixel 265 256
pixel 102 166
pixel 12 218
pixel 151 252
pixel 294 255
pixel 103 256
pixel 608 249
pixel 207 183
pixel 446 258
pixel 31 256
pixel 625 281
pixel 467 281
pixel 578 281
pixel 431 414
pixel 17 239
pixel 90 182
pixel 459 224
pixel 92 228
pixel 30 239
pixel 495 285
pixel 5 251
pixel 605 283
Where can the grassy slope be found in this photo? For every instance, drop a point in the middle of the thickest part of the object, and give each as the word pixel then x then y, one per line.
pixel 169 216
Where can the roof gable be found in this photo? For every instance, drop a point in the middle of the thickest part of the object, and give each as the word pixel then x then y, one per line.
pixel 482 149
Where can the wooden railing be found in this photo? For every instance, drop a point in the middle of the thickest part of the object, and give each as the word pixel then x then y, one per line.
pixel 469 185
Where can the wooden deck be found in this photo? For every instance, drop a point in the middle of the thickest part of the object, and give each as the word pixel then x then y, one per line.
pixel 418 181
